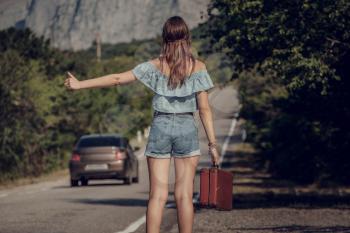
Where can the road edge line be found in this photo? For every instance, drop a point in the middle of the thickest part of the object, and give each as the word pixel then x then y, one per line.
pixel 227 139
pixel 134 226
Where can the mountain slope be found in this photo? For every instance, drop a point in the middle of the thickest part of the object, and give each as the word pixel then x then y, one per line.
pixel 73 24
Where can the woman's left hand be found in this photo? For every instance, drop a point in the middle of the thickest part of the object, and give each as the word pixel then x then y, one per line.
pixel 71 82
pixel 215 157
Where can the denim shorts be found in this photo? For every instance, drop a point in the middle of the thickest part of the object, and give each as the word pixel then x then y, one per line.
pixel 173 135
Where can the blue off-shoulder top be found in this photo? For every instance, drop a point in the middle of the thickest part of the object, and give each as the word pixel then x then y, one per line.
pixel 180 99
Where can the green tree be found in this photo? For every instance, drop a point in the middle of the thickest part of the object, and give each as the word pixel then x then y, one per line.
pixel 296 99
pixel 40 120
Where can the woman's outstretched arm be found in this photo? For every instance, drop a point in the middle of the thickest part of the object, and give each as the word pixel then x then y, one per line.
pixel 73 83
pixel 207 121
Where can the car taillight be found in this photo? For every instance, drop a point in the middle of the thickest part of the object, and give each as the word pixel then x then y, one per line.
pixel 75 157
pixel 119 155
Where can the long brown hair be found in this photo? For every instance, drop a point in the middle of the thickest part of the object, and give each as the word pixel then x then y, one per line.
pixel 176 50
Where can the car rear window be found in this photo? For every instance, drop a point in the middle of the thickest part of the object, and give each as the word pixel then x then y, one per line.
pixel 100 141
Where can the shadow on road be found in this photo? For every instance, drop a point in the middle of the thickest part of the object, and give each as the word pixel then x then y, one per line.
pixel 119 202
pixel 295 228
pixel 253 187
pixel 90 185
pixel 116 201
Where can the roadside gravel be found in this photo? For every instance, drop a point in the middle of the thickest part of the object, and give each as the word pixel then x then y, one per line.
pixel 263 204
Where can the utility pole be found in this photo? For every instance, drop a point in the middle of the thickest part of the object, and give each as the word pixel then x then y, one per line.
pixel 98 47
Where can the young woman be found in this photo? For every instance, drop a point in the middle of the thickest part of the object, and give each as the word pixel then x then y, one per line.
pixel 180 83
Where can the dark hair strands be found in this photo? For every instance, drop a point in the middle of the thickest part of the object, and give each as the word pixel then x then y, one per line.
pixel 176 50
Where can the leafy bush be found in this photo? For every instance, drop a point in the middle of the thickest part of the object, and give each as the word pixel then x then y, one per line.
pixel 40 120
pixel 291 59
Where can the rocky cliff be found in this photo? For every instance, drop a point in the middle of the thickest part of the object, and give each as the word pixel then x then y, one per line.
pixel 73 24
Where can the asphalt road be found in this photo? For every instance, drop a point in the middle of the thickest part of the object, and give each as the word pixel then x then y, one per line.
pixel 103 206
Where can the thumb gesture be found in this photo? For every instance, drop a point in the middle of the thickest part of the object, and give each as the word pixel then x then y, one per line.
pixel 71 82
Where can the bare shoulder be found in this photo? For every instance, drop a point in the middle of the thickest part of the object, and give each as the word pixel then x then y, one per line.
pixel 155 62
pixel 199 65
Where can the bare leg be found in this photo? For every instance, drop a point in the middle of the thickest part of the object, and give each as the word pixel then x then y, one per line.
pixel 185 169
pixel 158 170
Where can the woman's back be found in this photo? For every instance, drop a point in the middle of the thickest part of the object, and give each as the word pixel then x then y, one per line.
pixel 165 69
pixel 173 100
pixel 179 82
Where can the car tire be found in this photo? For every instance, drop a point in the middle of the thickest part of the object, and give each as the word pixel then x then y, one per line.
pixel 136 178
pixel 74 183
pixel 84 182
pixel 127 180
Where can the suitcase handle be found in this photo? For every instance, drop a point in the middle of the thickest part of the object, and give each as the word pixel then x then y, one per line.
pixel 215 165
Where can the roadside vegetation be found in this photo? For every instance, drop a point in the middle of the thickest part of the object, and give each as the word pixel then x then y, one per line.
pixel 40 120
pixel 291 60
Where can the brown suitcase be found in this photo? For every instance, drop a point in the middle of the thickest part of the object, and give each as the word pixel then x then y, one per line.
pixel 215 188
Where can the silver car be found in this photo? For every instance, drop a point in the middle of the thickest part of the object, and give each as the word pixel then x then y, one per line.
pixel 103 156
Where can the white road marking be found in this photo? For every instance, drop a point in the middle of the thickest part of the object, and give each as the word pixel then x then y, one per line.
pixel 227 140
pixel 196 198
pixel 230 132
pixel 134 226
